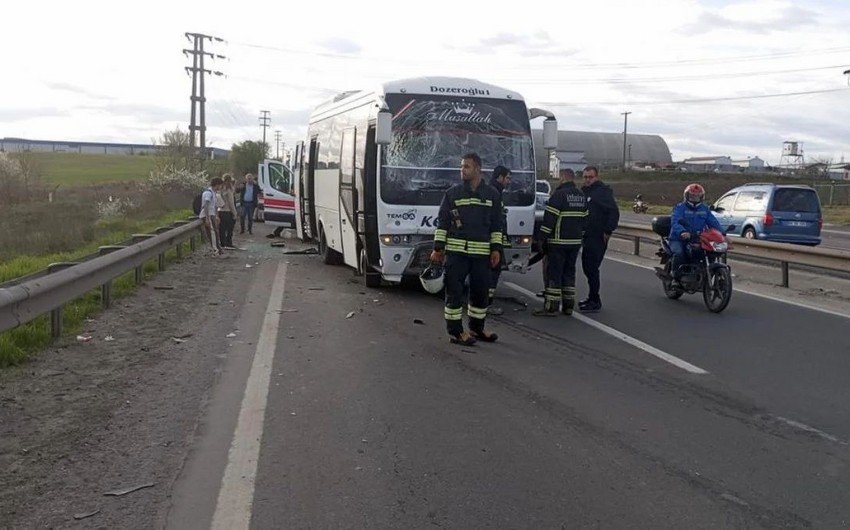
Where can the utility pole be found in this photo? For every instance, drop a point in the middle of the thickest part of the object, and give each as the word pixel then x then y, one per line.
pixel 625 132
pixel 277 134
pixel 197 71
pixel 265 123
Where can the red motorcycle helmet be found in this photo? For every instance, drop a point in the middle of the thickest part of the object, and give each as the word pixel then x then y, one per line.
pixel 694 194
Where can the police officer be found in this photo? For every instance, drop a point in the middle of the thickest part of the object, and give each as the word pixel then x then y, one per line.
pixel 501 180
pixel 602 219
pixel 468 239
pixel 561 235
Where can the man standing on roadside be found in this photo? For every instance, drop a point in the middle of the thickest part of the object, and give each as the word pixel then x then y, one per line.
pixel 602 220
pixel 500 181
pixel 248 195
pixel 208 215
pixel 468 239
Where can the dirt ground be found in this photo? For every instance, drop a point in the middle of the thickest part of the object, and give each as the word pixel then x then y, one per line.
pixel 86 418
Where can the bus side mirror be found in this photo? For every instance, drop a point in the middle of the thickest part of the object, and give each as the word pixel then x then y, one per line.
pixel 384 128
pixel 550 133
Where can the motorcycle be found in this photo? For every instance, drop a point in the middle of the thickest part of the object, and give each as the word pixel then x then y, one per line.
pixel 639 206
pixel 706 270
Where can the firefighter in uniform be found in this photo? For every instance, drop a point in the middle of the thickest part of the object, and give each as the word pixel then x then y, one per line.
pixel 468 239
pixel 561 235
pixel 501 179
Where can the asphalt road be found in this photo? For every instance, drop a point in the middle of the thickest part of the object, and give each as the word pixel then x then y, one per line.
pixel 831 236
pixel 373 420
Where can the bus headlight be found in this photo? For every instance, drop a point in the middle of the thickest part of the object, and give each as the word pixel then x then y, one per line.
pixel 521 241
pixel 397 240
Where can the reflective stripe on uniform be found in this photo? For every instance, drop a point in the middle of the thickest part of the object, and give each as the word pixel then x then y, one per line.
pixel 557 241
pixel 496 237
pixel 552 294
pixel 476 312
pixel 453 313
pixel 440 235
pixel 472 201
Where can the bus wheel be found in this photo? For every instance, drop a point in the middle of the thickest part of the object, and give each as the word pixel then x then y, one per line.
pixel 329 256
pixel 372 278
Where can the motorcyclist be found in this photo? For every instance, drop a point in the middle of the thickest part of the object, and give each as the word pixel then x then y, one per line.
pixel 688 219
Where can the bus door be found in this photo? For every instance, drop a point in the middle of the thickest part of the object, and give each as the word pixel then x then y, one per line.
pixel 278 199
pixel 348 198
pixel 306 187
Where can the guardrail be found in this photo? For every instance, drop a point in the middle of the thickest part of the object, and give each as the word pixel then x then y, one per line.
pixel 785 254
pixel 27 298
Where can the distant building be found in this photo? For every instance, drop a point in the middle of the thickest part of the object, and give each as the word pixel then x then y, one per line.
pixel 707 164
pixel 559 160
pixel 21 145
pixel 606 149
pixel 751 164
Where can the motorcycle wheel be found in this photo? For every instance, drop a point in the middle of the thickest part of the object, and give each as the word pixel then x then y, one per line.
pixel 718 290
pixel 636 209
pixel 669 291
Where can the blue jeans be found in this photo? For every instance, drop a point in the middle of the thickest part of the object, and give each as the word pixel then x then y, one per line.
pixel 679 258
pixel 247 211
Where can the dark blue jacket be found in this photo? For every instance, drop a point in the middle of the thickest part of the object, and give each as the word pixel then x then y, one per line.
pixel 693 219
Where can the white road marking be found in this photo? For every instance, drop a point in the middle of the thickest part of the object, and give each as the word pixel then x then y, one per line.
pixel 652 350
pixel 753 293
pixel 804 427
pixel 236 496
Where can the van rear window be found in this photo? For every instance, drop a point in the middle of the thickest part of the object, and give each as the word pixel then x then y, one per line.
pixel 796 200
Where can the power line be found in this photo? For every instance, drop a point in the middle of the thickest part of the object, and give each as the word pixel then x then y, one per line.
pixel 626 80
pixel 683 101
pixel 580 66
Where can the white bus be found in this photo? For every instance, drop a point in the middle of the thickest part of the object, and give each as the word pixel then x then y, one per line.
pixel 373 170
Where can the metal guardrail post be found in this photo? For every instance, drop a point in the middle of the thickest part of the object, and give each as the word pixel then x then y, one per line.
pixel 56 314
pixel 106 288
pixel 161 258
pixel 785 270
pixel 179 243
pixel 637 246
pixel 192 244
pixel 139 272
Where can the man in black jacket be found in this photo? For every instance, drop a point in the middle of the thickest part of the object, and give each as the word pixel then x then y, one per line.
pixel 602 220
pixel 501 180
pixel 468 238
pixel 561 235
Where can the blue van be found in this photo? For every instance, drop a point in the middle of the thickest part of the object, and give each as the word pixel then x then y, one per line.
pixel 781 213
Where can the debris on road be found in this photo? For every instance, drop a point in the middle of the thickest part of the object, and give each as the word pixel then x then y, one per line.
pixel 109 338
pixel 163 287
pixel 80 516
pixel 351 314
pixel 248 266
pixel 418 321
pixel 231 335
pixel 278 244
pixel 287 311
pixel 183 336
pixel 316 289
pixel 177 340
pixel 83 338
pixel 306 251
pixel 120 493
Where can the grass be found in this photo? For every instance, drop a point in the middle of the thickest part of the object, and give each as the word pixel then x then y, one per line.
pixel 43 243
pixel 74 169
pixel 17 344
pixel 837 215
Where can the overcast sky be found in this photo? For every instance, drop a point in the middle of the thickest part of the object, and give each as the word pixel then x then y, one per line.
pixel 93 71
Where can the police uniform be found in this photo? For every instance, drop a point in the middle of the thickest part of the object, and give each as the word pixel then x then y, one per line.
pixel 561 234
pixel 469 227
pixel 603 217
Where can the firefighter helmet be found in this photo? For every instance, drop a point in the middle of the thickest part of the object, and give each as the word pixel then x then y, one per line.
pixel 433 278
